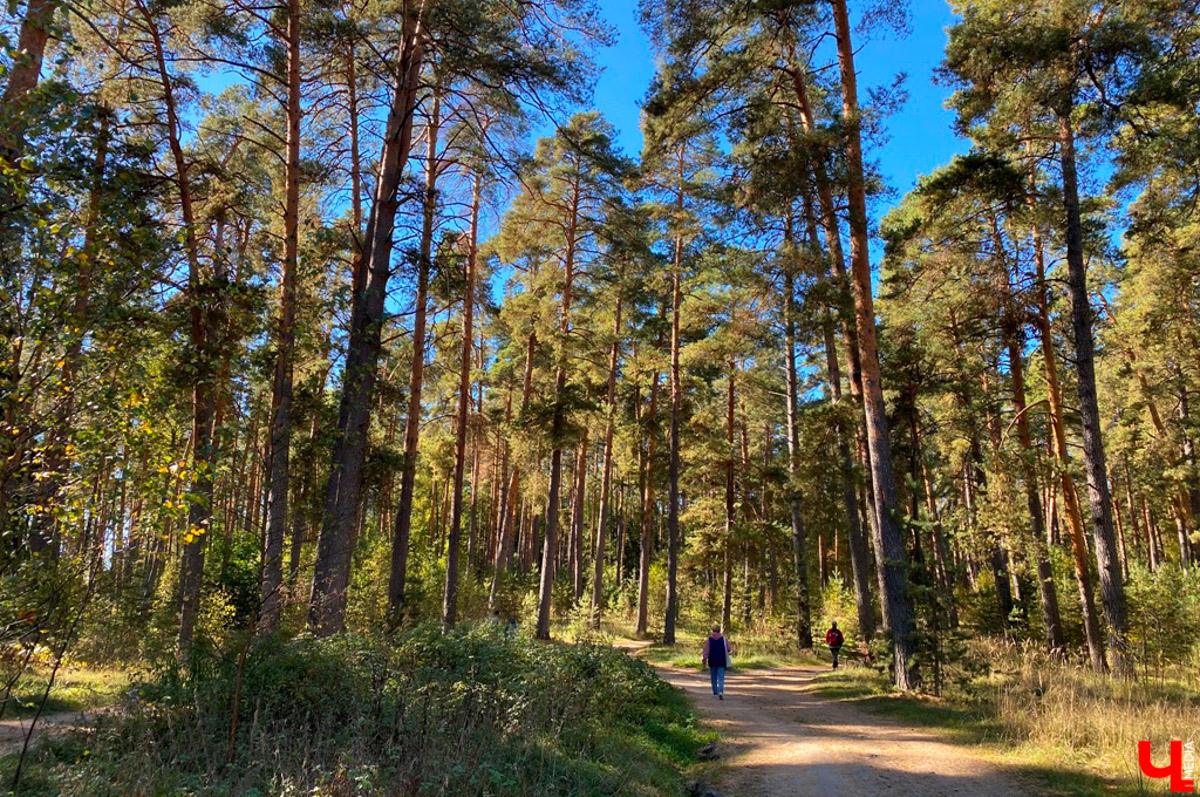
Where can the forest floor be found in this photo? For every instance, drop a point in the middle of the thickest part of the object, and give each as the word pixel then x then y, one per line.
pixel 780 737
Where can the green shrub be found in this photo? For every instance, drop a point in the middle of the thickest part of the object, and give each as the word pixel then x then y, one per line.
pixel 472 711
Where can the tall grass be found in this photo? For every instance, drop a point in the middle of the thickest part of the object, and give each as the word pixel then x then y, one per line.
pixel 468 712
pixel 1071 714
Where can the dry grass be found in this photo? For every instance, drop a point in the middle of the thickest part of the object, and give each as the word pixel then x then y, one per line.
pixel 1072 715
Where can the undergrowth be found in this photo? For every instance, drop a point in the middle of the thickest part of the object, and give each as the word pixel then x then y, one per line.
pixel 472 711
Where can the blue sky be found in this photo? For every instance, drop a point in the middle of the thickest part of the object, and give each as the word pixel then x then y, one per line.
pixel 921 134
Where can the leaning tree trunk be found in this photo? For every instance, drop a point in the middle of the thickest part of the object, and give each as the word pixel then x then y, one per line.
pixel 270 600
pixel 1071 509
pixel 1112 591
pixel 860 564
pixel 894 558
pixel 343 494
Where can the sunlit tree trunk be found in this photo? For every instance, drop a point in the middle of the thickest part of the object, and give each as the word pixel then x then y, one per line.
pixel 893 559
pixel 335 547
pixel 462 417
pixel 278 470
pixel 1112 591
pixel 606 478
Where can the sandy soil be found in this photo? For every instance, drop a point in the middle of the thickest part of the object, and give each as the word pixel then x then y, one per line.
pixel 780 740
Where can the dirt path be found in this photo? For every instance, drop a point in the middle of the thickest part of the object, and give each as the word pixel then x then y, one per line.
pixel 778 739
pixel 12 732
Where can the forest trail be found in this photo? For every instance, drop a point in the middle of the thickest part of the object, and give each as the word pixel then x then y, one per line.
pixel 12 731
pixel 780 739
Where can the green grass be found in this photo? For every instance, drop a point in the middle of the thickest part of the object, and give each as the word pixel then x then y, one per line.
pixel 471 711
pixel 75 689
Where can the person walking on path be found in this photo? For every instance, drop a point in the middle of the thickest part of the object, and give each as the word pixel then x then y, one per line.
pixel 835 640
pixel 717 651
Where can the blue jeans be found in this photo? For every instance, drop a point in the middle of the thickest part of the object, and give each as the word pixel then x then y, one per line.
pixel 718 679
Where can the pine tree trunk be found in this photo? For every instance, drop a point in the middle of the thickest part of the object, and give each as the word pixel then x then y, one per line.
pixel 398 578
pixel 278 471
pixel 1112 591
pixel 557 430
pixel 1051 620
pixel 673 464
pixel 894 559
pixel 343 494
pixel 606 483
pixel 462 417
pixel 1070 499
pixel 860 564
pixel 727 541
pixel 646 552
pixel 204 320
pixel 799 545
pixel 578 511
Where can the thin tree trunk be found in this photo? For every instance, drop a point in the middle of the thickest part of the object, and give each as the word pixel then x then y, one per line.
pixel 450 595
pixel 860 565
pixel 278 470
pixel 203 321
pixel 1051 620
pixel 1070 499
pixel 673 465
pixel 578 508
pixel 606 479
pixel 557 430
pixel 727 540
pixel 646 552
pixel 799 545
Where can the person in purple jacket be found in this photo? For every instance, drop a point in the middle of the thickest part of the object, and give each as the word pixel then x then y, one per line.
pixel 717 651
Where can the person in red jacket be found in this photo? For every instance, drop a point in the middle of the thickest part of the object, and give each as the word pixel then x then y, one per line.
pixel 835 640
pixel 717 651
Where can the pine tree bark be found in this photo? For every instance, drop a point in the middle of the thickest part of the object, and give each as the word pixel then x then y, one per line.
pixel 894 559
pixel 606 479
pixel 343 493
pixel 462 417
pixel 799 544
pixel 557 429
pixel 1112 591
pixel 278 470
